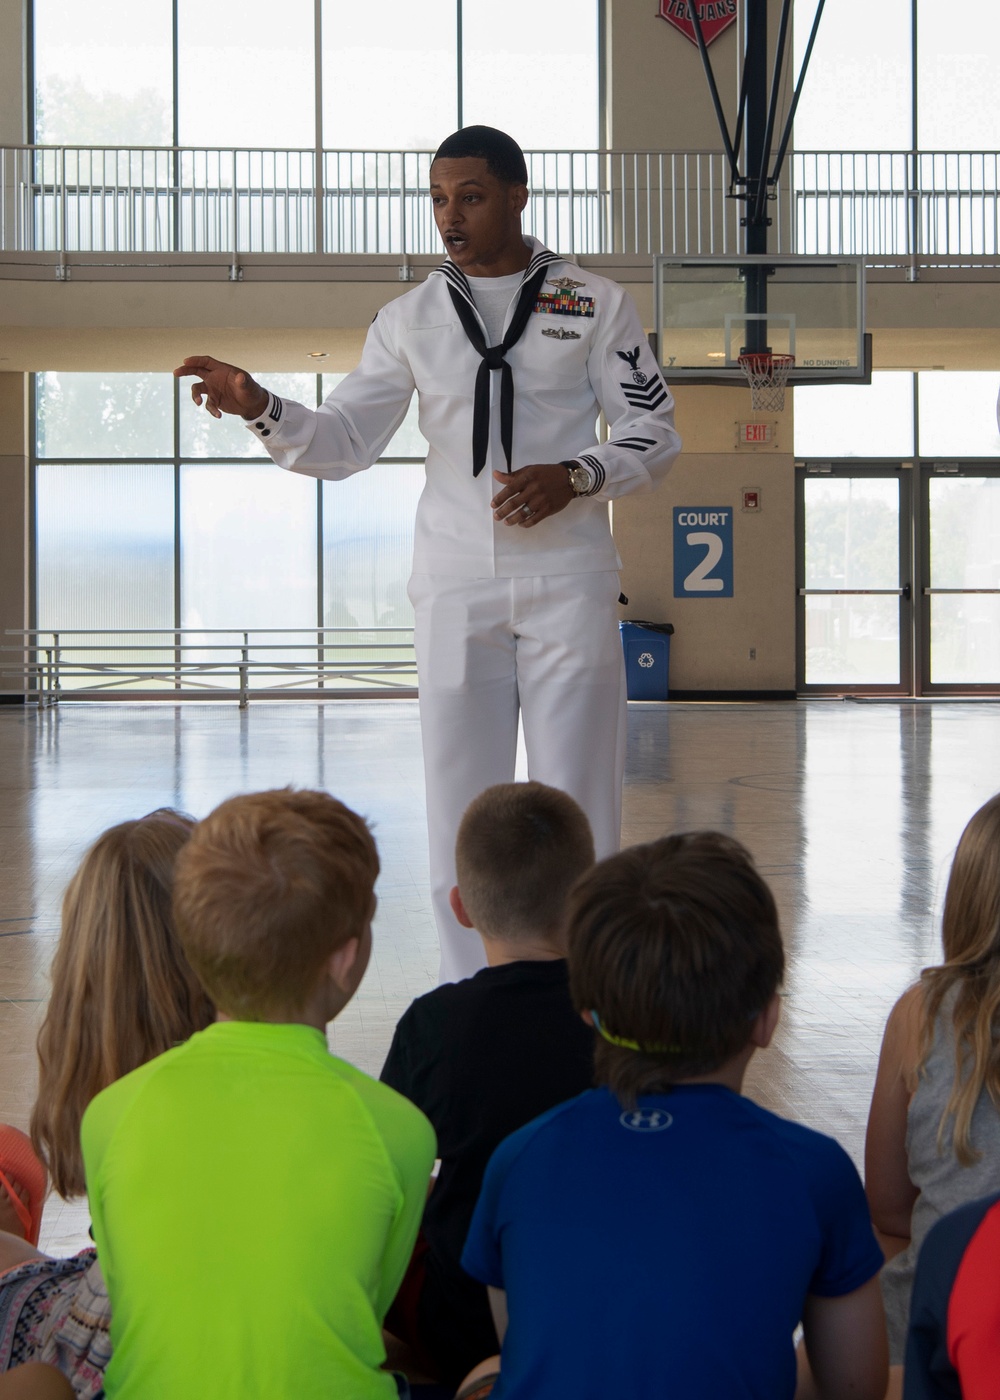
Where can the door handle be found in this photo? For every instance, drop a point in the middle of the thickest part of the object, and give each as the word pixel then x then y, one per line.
pixel 906 591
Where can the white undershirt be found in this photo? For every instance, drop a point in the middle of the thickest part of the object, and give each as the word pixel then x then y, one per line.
pixel 493 295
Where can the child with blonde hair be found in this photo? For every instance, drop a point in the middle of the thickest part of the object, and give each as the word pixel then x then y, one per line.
pixel 934 1126
pixel 122 992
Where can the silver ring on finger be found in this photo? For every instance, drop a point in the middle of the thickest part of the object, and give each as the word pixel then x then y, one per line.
pixel 526 511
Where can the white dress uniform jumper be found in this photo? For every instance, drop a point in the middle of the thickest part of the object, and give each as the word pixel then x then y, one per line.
pixel 507 619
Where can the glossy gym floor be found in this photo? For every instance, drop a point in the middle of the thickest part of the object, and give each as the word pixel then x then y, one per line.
pixel 852 811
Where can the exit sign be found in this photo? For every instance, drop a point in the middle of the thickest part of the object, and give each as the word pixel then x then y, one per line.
pixel 755 434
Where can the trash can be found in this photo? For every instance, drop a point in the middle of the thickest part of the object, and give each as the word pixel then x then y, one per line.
pixel 647 658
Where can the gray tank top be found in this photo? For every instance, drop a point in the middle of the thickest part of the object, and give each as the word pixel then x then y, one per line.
pixel 942 1181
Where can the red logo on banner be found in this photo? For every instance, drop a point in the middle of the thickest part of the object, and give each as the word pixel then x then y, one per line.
pixel 714 15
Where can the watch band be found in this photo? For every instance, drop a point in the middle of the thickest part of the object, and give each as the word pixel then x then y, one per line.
pixel 581 478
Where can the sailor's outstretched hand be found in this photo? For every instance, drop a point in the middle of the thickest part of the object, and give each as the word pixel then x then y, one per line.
pixel 532 493
pixel 223 388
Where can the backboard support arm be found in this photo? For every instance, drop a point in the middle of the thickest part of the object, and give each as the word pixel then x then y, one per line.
pixel 720 115
pixel 786 135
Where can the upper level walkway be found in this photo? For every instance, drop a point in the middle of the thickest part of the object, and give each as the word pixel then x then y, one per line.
pixel 142 207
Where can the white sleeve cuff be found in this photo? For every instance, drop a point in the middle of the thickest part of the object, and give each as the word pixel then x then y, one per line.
pixel 595 471
pixel 267 422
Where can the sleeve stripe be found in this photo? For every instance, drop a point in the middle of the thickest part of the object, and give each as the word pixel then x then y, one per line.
pixel 599 473
pixel 639 444
pixel 646 401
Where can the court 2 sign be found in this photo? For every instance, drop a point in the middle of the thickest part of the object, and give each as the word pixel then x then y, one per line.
pixel 703 551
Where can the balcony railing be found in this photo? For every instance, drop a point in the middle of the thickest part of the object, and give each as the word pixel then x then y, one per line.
pixel 206 664
pixel 906 206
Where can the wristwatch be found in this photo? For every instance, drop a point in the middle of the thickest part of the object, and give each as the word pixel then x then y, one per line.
pixel 580 478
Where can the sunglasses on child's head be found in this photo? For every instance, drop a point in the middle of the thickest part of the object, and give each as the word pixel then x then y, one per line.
pixel 625 1044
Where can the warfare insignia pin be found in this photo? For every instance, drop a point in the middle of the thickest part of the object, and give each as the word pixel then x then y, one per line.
pixel 560 333
pixel 565 284
pixel 631 358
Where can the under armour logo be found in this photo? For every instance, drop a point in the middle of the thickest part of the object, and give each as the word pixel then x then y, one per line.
pixel 631 358
pixel 646 1120
pixel 646 660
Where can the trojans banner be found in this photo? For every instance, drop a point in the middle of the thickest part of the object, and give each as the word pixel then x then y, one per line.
pixel 714 15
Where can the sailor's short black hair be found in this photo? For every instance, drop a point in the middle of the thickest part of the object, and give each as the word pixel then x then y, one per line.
pixel 503 156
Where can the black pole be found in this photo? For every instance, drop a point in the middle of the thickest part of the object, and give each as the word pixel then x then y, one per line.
pixel 772 108
pixel 460 63
pixel 755 75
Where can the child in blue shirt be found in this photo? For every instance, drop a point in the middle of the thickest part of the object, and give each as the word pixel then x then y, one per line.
pixel 661 1234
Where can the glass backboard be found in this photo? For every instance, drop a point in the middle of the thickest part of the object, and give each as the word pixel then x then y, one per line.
pixel 709 311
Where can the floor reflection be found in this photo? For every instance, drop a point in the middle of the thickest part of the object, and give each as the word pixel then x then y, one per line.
pixel 851 810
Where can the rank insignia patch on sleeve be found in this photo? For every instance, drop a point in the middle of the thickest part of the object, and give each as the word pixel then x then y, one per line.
pixel 631 358
pixel 650 396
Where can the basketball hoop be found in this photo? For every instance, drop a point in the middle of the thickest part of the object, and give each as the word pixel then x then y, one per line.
pixel 767 376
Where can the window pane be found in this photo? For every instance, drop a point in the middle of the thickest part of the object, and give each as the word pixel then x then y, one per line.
pixel 367 558
pixel 958 75
pixel 390 74
pixel 857 90
pixel 103 72
pixel 852 641
pixel 205 436
pixel 530 68
pixel 105 557
pixel 252 85
pixel 248 555
pixel 368 546
pixel 958 414
pixel 852 532
pixel 964 531
pixel 408 441
pixel 104 415
pixel 965 639
pixel 867 420
pixel 964 519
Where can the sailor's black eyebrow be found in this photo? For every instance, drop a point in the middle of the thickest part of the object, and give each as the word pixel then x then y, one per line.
pixel 436 185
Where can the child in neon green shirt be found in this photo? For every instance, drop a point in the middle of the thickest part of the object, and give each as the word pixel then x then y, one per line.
pixel 255 1200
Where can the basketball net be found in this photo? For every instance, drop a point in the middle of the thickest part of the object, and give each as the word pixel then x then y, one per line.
pixel 767 376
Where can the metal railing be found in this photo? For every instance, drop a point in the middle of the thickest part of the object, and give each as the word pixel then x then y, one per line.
pixel 146 201
pixel 923 206
pixel 210 663
pixel 158 200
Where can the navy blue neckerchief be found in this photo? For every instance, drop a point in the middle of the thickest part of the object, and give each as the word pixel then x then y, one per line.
pixel 492 356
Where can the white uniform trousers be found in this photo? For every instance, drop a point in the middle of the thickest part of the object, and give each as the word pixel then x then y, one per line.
pixel 547 645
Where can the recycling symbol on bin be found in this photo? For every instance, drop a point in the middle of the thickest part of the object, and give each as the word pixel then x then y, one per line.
pixel 646 660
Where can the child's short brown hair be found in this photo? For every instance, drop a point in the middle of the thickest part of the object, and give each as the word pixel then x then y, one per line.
pixel 520 849
pixel 675 948
pixel 268 886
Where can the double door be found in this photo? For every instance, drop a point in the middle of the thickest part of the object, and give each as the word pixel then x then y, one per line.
pixel 898 578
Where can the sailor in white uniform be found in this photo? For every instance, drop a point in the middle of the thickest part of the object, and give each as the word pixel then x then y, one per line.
pixel 513 352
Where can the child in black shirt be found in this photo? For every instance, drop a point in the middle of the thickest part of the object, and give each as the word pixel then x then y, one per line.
pixel 484 1056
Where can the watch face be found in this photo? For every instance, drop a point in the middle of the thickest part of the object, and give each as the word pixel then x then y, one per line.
pixel 579 479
